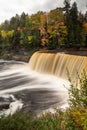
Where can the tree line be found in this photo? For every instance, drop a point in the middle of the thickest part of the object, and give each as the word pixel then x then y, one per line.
pixel 59 28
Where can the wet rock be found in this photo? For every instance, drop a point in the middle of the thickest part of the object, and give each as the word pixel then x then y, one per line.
pixel 4 105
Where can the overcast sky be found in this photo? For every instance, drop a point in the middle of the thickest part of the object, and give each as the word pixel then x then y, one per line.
pixel 9 8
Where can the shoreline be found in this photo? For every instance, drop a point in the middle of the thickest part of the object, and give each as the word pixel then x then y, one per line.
pixel 26 56
pixel 16 57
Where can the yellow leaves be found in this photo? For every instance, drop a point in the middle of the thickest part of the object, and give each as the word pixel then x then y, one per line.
pixel 10 33
pixel 76 115
pixel 79 116
pixel 85 28
pixel 7 34
pixel 43 19
pixel 3 33
pixel 56 16
pixel 30 38
pixel 33 22
pixel 62 30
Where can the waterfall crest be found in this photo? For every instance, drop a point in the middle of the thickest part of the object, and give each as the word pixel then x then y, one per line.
pixel 58 64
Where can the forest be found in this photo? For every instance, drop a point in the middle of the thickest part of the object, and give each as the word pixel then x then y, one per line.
pixel 63 28
pixel 59 28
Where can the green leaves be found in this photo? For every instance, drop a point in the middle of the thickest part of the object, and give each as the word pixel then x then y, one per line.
pixel 78 92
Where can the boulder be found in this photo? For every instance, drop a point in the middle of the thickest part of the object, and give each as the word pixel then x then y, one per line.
pixel 4 105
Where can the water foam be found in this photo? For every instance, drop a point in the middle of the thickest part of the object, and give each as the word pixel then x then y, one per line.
pixel 39 81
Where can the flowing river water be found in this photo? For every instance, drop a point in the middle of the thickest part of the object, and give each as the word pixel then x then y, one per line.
pixel 39 85
pixel 29 91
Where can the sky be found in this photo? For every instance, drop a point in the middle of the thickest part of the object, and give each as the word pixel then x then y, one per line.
pixel 9 8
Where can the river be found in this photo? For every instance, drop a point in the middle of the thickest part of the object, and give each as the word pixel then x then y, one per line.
pixel 24 90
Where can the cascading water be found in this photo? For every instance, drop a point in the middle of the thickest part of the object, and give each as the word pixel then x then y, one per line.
pixel 23 88
pixel 58 64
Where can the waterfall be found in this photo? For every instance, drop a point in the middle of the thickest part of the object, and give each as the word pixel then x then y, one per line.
pixel 22 87
pixel 58 64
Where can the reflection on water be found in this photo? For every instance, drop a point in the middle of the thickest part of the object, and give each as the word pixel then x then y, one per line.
pixel 26 90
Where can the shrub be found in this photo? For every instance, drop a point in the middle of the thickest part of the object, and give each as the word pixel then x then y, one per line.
pixel 15 122
pixel 79 116
pixel 78 92
pixel 78 102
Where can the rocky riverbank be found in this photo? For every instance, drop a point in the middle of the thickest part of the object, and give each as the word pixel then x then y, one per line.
pixel 20 55
pixel 25 56
pixel 17 56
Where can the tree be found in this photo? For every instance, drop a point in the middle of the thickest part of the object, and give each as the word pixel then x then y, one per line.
pixel 85 32
pixel 74 26
pixel 1 42
pixel 85 16
pixel 50 29
pixel 67 21
pixel 23 20
pixel 81 17
pixel 15 22
pixel 9 39
pixel 67 11
pixel 62 35
pixel 5 26
pixel 16 40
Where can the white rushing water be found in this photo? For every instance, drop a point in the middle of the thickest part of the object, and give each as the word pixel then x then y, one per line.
pixel 17 79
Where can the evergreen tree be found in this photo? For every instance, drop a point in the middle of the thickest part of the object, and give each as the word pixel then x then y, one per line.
pixel 16 40
pixel 86 16
pixel 74 25
pixel 1 42
pixel 67 21
pixel 23 20
pixel 81 17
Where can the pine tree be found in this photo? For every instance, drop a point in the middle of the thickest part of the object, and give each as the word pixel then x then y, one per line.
pixel 67 21
pixel 16 40
pixel 74 26
pixel 1 42
pixel 86 16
